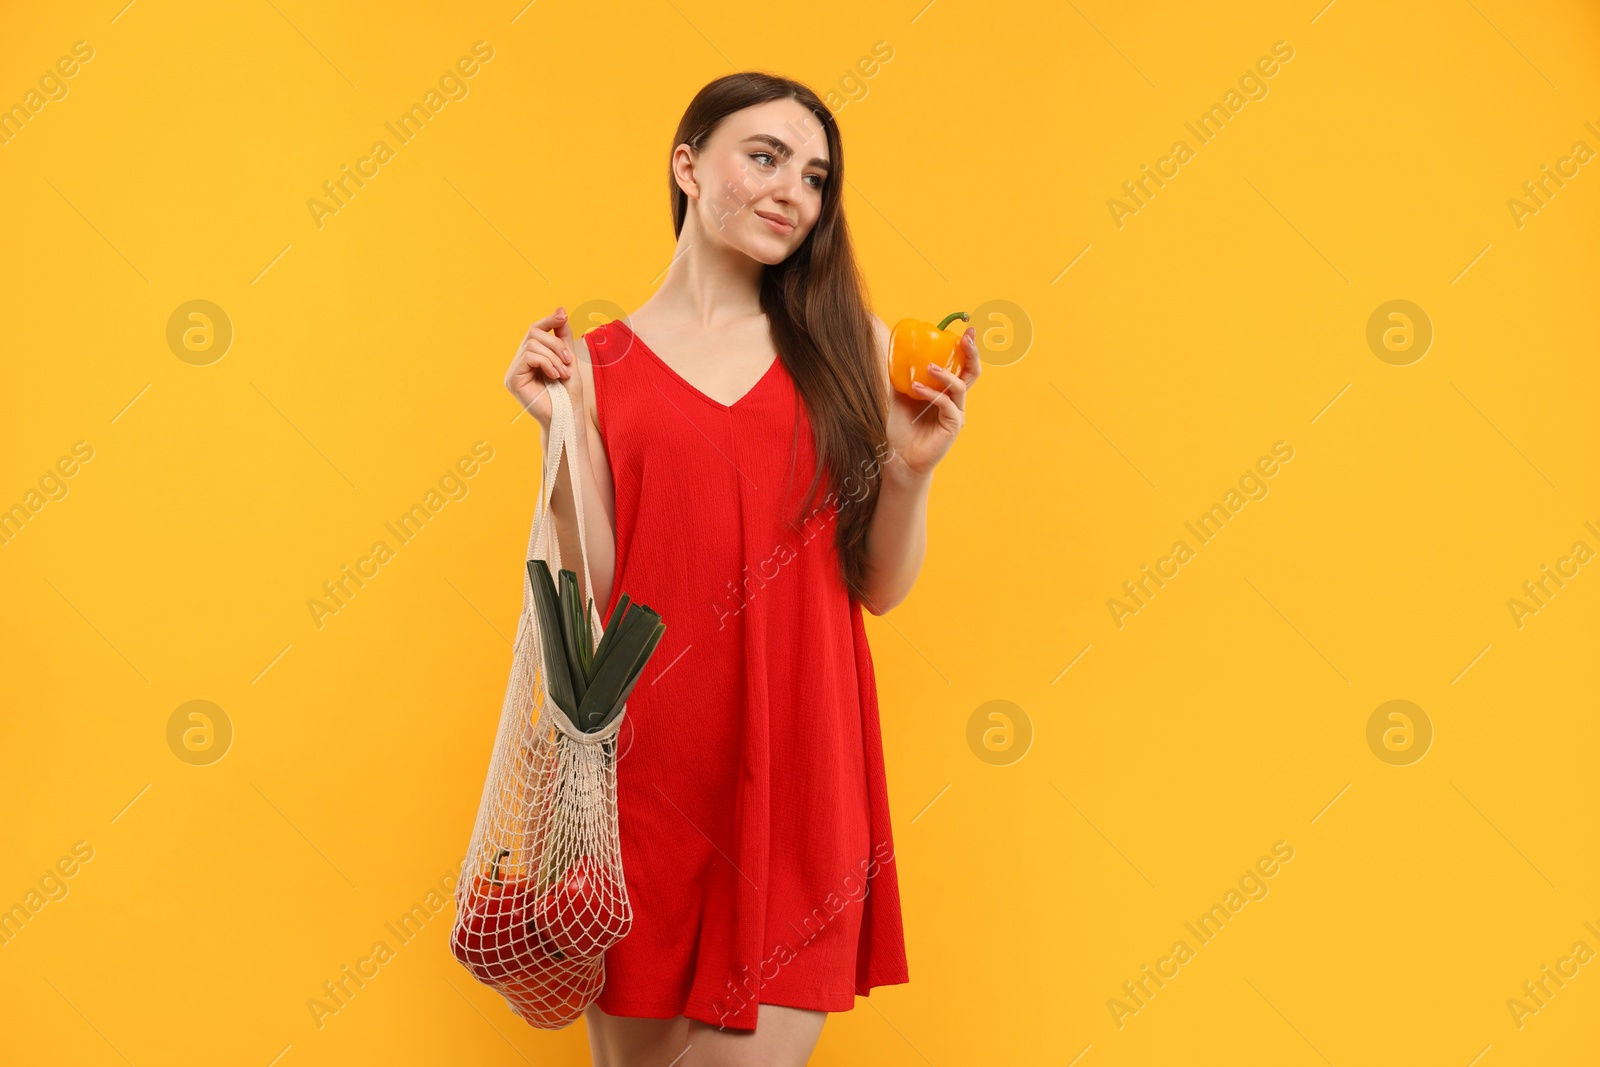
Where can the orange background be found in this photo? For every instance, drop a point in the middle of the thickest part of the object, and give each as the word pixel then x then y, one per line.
pixel 1139 771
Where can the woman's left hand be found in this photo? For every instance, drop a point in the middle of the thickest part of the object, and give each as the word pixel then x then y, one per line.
pixel 922 431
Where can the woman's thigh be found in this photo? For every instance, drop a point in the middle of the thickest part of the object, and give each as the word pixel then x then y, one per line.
pixel 783 1037
pixel 624 1041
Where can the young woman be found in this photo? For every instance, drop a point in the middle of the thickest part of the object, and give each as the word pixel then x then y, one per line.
pixel 760 482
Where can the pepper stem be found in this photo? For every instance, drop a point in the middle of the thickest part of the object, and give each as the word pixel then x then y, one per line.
pixel 494 868
pixel 948 319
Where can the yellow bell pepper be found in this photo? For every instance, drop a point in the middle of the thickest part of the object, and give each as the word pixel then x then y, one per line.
pixel 914 344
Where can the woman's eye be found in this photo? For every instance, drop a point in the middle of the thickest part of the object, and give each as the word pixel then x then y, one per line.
pixel 765 159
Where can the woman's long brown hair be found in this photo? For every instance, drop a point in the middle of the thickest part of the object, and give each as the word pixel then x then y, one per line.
pixel 819 324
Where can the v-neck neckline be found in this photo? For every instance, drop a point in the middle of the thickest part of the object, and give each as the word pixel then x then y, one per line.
pixel 771 368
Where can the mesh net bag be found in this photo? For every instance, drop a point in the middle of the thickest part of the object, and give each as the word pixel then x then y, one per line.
pixel 542 894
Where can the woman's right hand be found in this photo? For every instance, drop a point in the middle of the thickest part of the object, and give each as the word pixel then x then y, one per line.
pixel 545 355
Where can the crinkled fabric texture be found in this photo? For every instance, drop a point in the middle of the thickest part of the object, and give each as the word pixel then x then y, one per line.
pixel 751 789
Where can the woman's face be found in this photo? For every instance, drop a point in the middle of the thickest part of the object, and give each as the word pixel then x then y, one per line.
pixel 757 184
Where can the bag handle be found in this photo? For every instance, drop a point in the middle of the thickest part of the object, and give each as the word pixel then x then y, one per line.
pixel 543 541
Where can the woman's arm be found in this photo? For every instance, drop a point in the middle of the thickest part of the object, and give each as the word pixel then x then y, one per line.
pixel 897 538
pixel 920 432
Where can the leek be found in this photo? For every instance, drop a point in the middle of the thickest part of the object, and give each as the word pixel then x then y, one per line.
pixel 589 683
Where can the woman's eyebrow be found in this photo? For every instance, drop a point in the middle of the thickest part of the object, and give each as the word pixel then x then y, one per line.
pixel 784 151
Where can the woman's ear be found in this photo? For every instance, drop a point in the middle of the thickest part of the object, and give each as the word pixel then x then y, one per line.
pixel 683 161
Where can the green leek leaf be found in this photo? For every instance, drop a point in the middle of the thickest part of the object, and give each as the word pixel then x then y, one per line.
pixel 570 632
pixel 557 679
pixel 622 698
pixel 590 682
pixel 607 637
pixel 637 636
pixel 586 648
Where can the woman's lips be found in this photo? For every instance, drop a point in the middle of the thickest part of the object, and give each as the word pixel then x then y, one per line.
pixel 777 225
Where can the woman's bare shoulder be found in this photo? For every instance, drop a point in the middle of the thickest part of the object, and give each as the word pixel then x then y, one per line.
pixel 594 440
pixel 880 338
pixel 880 334
pixel 580 356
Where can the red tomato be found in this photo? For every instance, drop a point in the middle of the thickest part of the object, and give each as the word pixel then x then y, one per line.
pixel 555 996
pixel 491 936
pixel 583 914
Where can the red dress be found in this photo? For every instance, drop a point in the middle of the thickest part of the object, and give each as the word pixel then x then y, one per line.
pixel 752 799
